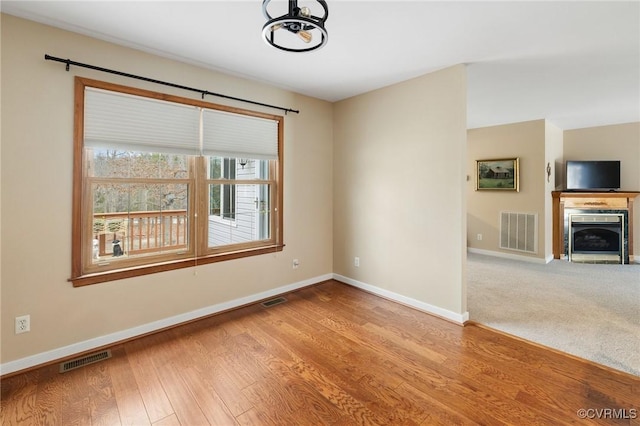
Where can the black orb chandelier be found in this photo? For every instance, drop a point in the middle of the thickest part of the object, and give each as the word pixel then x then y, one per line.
pixel 299 30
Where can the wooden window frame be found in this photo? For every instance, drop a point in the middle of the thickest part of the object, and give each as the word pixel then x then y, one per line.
pixel 198 252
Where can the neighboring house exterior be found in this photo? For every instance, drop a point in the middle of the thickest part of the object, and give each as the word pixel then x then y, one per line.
pixel 245 217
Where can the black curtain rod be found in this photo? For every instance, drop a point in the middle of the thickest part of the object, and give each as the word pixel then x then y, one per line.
pixel 69 62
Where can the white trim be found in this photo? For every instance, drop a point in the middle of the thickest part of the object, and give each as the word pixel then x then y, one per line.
pixel 421 306
pixel 109 339
pixel 510 256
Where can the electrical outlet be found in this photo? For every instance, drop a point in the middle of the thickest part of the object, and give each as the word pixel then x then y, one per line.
pixel 23 324
pixel 479 236
pixel 356 262
pixel 296 263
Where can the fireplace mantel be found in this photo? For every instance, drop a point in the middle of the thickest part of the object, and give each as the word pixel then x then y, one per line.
pixel 585 201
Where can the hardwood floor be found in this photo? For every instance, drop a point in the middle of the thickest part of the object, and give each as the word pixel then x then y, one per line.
pixel 331 354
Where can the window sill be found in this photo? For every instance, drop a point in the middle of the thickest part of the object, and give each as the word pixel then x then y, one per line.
pixel 154 268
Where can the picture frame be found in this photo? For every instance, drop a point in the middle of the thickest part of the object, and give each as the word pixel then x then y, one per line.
pixel 498 174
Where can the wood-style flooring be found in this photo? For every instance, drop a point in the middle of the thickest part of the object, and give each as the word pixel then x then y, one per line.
pixel 330 355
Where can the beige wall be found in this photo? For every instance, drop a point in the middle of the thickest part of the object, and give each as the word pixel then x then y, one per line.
pixel 616 142
pixel 553 149
pixel 399 201
pixel 525 141
pixel 37 118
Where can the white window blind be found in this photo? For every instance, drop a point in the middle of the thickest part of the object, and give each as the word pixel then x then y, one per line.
pixel 135 123
pixel 239 136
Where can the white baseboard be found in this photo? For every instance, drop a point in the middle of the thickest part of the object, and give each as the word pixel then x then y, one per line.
pixel 510 255
pixel 416 304
pixel 110 339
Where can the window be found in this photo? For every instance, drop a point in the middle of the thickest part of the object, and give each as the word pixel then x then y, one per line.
pixel 163 182
pixel 223 197
pixel 239 201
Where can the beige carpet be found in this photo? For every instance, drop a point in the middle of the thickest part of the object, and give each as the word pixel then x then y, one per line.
pixel 588 310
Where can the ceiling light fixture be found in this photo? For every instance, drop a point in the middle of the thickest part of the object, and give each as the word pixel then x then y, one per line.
pixel 298 30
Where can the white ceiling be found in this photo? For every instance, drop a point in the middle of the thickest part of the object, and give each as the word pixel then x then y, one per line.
pixel 574 63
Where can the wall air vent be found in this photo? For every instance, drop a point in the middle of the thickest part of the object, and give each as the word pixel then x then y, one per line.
pixel 519 231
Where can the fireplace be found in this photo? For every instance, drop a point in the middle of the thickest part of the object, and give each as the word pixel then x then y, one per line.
pixel 596 238
pixel 617 208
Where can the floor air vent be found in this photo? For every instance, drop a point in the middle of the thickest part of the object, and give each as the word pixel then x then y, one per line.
pixel 85 360
pixel 273 302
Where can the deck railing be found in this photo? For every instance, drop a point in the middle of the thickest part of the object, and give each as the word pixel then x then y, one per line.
pixel 140 232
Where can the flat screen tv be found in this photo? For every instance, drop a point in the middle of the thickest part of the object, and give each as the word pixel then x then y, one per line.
pixel 593 175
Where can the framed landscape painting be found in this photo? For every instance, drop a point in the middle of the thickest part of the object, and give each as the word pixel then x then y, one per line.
pixel 499 175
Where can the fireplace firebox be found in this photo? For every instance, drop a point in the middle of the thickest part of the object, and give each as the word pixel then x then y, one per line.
pixel 596 237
